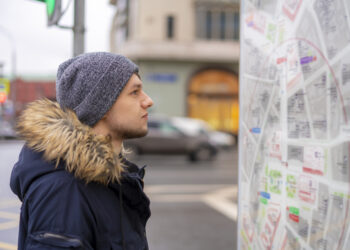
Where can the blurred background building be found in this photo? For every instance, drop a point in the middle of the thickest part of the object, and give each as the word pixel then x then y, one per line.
pixel 188 52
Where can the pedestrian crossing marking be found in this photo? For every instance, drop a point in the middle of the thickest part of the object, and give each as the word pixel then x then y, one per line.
pixel 176 198
pixel 6 246
pixel 181 188
pixel 10 203
pixel 220 199
pixel 8 215
pixel 12 218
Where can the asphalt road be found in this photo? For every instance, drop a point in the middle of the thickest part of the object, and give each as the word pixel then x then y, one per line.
pixel 193 206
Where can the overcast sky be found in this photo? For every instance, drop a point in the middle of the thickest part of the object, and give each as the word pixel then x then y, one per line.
pixel 40 49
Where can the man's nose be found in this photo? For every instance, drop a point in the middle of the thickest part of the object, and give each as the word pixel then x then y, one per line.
pixel 147 102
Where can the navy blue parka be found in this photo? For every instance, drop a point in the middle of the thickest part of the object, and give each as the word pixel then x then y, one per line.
pixel 66 178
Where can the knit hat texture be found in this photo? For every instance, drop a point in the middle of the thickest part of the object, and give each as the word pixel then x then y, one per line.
pixel 90 83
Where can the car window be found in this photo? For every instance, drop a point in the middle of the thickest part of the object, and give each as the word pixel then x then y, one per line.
pixel 167 128
pixel 203 131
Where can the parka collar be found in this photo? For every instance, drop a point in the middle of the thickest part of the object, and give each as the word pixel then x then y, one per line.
pixel 59 134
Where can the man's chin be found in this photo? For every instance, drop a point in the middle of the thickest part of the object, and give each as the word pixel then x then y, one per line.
pixel 135 134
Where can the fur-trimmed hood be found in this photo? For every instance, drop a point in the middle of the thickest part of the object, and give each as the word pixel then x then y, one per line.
pixel 60 136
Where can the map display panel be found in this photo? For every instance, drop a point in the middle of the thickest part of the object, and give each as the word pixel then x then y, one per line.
pixel 294 190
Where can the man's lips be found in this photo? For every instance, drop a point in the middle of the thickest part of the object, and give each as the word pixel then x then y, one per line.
pixel 145 116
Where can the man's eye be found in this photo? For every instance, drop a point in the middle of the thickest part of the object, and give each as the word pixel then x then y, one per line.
pixel 135 92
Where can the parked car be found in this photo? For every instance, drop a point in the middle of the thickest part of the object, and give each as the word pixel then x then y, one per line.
pixel 6 130
pixel 196 126
pixel 174 135
pixel 222 139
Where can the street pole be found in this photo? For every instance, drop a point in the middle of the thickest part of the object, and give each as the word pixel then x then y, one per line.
pixel 112 33
pixel 79 27
pixel 13 91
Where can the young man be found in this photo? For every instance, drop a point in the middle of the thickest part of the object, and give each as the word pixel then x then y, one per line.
pixel 77 189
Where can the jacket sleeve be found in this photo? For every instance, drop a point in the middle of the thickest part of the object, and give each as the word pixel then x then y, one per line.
pixel 58 215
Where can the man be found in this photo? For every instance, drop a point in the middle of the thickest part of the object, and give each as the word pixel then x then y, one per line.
pixel 77 189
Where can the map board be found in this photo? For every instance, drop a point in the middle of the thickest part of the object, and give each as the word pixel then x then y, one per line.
pixel 294 178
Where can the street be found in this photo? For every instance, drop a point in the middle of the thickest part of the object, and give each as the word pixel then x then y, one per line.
pixel 193 205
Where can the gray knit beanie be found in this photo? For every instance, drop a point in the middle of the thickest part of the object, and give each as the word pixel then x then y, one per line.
pixel 90 83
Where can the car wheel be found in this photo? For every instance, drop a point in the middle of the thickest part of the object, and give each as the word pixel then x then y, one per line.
pixel 203 153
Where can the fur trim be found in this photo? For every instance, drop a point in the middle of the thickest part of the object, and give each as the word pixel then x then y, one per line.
pixel 61 136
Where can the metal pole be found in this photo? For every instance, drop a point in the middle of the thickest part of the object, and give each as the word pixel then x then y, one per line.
pixel 13 90
pixel 14 78
pixel 79 27
pixel 112 33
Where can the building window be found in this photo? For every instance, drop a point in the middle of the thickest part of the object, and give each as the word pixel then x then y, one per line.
pixel 122 21
pixel 236 26
pixel 170 27
pixel 222 25
pixel 208 26
pixel 200 23
pixel 217 22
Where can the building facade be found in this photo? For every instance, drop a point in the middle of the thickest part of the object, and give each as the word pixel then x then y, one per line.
pixel 188 52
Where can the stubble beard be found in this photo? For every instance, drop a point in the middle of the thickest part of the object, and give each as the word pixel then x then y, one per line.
pixel 127 133
pixel 133 134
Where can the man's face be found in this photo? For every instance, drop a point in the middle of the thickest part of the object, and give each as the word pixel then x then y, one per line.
pixel 128 116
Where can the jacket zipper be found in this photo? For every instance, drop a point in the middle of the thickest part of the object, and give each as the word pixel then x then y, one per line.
pixel 58 236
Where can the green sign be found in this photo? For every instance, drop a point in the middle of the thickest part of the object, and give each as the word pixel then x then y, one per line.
pixel 53 10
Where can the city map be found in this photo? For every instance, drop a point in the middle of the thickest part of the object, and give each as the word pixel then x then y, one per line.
pixel 294 190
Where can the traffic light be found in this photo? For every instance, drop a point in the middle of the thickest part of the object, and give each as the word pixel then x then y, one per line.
pixel 53 10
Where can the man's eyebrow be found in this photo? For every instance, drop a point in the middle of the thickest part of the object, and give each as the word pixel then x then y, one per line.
pixel 137 86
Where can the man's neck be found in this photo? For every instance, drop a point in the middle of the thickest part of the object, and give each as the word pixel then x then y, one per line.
pixel 116 142
pixel 117 146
